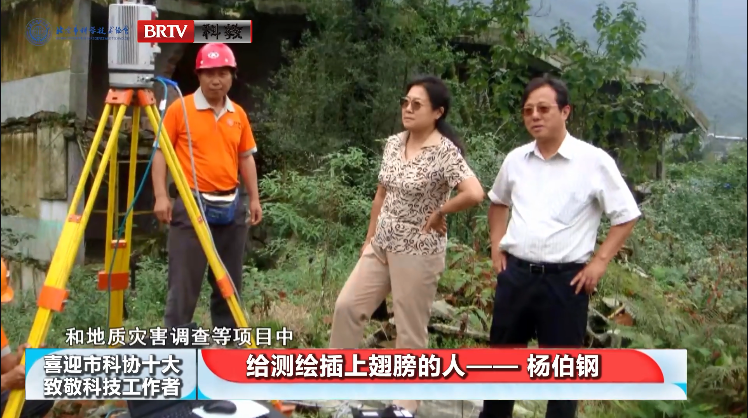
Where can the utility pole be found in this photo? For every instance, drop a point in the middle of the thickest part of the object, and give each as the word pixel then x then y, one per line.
pixel 693 58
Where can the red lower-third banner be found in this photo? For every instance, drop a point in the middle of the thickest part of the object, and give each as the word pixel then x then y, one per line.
pixel 447 366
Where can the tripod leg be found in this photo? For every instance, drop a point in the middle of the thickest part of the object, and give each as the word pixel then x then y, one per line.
pixel 133 172
pixel 201 228
pixel 53 294
pixel 134 139
pixel 117 280
pixel 112 250
pixel 86 171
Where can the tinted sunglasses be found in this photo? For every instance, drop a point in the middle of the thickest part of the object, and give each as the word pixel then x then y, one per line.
pixel 542 109
pixel 415 105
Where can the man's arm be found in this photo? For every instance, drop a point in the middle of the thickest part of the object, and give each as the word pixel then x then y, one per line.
pixel 170 127
pixel 8 362
pixel 9 359
pixel 247 166
pixel 13 379
pixel 3 385
pixel 501 199
pixel 619 206
pixel 617 236
pixel 248 171
pixel 158 176
pixel 498 220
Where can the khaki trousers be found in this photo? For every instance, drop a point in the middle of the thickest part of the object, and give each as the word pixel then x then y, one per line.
pixel 412 279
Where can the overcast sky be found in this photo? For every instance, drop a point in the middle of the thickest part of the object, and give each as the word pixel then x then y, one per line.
pixel 721 89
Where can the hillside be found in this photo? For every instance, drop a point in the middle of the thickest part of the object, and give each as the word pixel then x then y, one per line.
pixel 720 92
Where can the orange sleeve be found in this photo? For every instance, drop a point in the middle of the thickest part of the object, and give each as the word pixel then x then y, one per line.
pixel 172 121
pixel 5 346
pixel 247 145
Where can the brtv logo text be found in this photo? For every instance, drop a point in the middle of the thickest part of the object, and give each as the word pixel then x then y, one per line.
pixel 166 31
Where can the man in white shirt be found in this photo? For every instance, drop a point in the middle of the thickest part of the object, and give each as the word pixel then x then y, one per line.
pixel 558 187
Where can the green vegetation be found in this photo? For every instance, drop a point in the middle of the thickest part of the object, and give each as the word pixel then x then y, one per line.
pixel 682 280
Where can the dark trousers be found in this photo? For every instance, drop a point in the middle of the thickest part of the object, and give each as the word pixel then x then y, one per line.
pixel 187 264
pixel 31 409
pixel 537 300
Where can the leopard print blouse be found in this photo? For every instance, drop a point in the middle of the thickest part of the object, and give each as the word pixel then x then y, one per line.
pixel 415 189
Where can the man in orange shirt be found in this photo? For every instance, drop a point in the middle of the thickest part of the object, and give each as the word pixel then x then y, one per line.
pixel 13 372
pixel 222 145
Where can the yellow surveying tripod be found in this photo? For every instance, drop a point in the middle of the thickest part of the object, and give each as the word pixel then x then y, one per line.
pixel 116 276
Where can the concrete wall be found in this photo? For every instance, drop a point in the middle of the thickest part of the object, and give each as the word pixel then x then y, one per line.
pixel 35 182
pixel 35 77
pixel 52 77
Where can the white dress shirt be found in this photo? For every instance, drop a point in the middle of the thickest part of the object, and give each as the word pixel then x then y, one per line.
pixel 557 204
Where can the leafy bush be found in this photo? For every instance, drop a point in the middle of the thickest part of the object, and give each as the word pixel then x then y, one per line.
pixel 698 211
pixel 693 242
pixel 327 207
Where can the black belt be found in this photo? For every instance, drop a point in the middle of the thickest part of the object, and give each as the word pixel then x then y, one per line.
pixel 543 268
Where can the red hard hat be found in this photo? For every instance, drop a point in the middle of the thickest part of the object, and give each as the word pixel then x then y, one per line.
pixel 215 55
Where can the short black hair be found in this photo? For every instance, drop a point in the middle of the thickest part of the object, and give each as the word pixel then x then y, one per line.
pixel 562 92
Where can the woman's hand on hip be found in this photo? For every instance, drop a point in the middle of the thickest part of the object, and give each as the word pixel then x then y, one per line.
pixel 437 222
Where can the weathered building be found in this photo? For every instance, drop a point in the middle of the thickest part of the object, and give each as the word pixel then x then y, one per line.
pixel 38 166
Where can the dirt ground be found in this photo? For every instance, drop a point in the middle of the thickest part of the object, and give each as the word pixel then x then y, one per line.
pixel 84 409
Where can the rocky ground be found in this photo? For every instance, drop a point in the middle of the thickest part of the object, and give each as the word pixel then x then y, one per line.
pixel 336 409
pixel 428 409
pixel 86 409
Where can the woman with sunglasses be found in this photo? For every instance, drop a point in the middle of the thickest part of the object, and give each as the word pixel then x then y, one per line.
pixel 404 250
